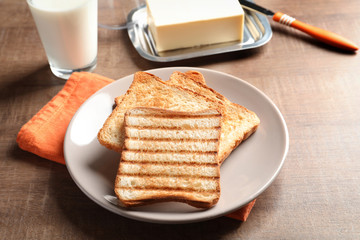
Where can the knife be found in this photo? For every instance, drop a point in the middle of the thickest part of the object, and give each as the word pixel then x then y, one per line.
pixel 330 38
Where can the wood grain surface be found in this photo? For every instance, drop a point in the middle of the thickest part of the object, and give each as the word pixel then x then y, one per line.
pixel 316 87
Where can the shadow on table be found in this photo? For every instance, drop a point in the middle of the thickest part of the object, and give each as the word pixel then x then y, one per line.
pixel 23 84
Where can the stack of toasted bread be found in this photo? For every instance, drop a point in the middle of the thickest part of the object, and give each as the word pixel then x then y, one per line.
pixel 173 136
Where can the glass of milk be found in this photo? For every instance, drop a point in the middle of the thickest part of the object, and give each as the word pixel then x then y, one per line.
pixel 68 32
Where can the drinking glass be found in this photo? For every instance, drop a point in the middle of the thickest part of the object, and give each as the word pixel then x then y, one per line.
pixel 68 30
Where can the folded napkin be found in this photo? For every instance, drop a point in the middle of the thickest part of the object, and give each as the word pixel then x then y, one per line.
pixel 44 134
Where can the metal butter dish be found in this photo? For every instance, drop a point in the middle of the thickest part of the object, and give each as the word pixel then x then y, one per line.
pixel 257 32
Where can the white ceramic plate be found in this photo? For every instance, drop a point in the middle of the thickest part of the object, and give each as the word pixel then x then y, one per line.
pixel 246 173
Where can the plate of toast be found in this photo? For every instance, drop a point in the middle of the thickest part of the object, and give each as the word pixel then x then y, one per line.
pixel 176 145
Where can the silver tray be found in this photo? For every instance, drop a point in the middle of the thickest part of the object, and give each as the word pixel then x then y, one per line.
pixel 257 32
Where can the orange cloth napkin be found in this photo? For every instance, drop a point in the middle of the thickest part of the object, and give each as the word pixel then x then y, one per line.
pixel 44 134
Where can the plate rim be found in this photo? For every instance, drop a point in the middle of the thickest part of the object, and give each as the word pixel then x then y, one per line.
pixel 250 198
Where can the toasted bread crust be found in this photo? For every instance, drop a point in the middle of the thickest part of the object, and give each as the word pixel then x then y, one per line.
pixel 163 198
pixel 196 76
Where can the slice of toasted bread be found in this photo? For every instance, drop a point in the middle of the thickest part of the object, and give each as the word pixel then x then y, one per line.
pixel 238 122
pixel 147 90
pixel 194 75
pixel 170 156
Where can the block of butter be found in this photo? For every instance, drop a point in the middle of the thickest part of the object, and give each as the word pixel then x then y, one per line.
pixel 178 24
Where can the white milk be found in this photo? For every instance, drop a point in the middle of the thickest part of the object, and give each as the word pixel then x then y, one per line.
pixel 68 31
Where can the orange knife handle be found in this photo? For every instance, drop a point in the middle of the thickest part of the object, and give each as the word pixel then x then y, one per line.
pixel 318 33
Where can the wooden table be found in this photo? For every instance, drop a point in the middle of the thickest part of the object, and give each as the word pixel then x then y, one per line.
pixel 316 87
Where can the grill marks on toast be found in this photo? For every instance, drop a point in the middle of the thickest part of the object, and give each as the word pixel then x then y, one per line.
pixel 148 90
pixel 187 137
pixel 156 145
pixel 178 166
pixel 186 184
pixel 238 122
pixel 173 163
pixel 147 133
pixel 180 120
pixel 169 157
pixel 165 169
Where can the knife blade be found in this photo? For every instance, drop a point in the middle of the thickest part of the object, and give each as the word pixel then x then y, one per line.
pixel 325 36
